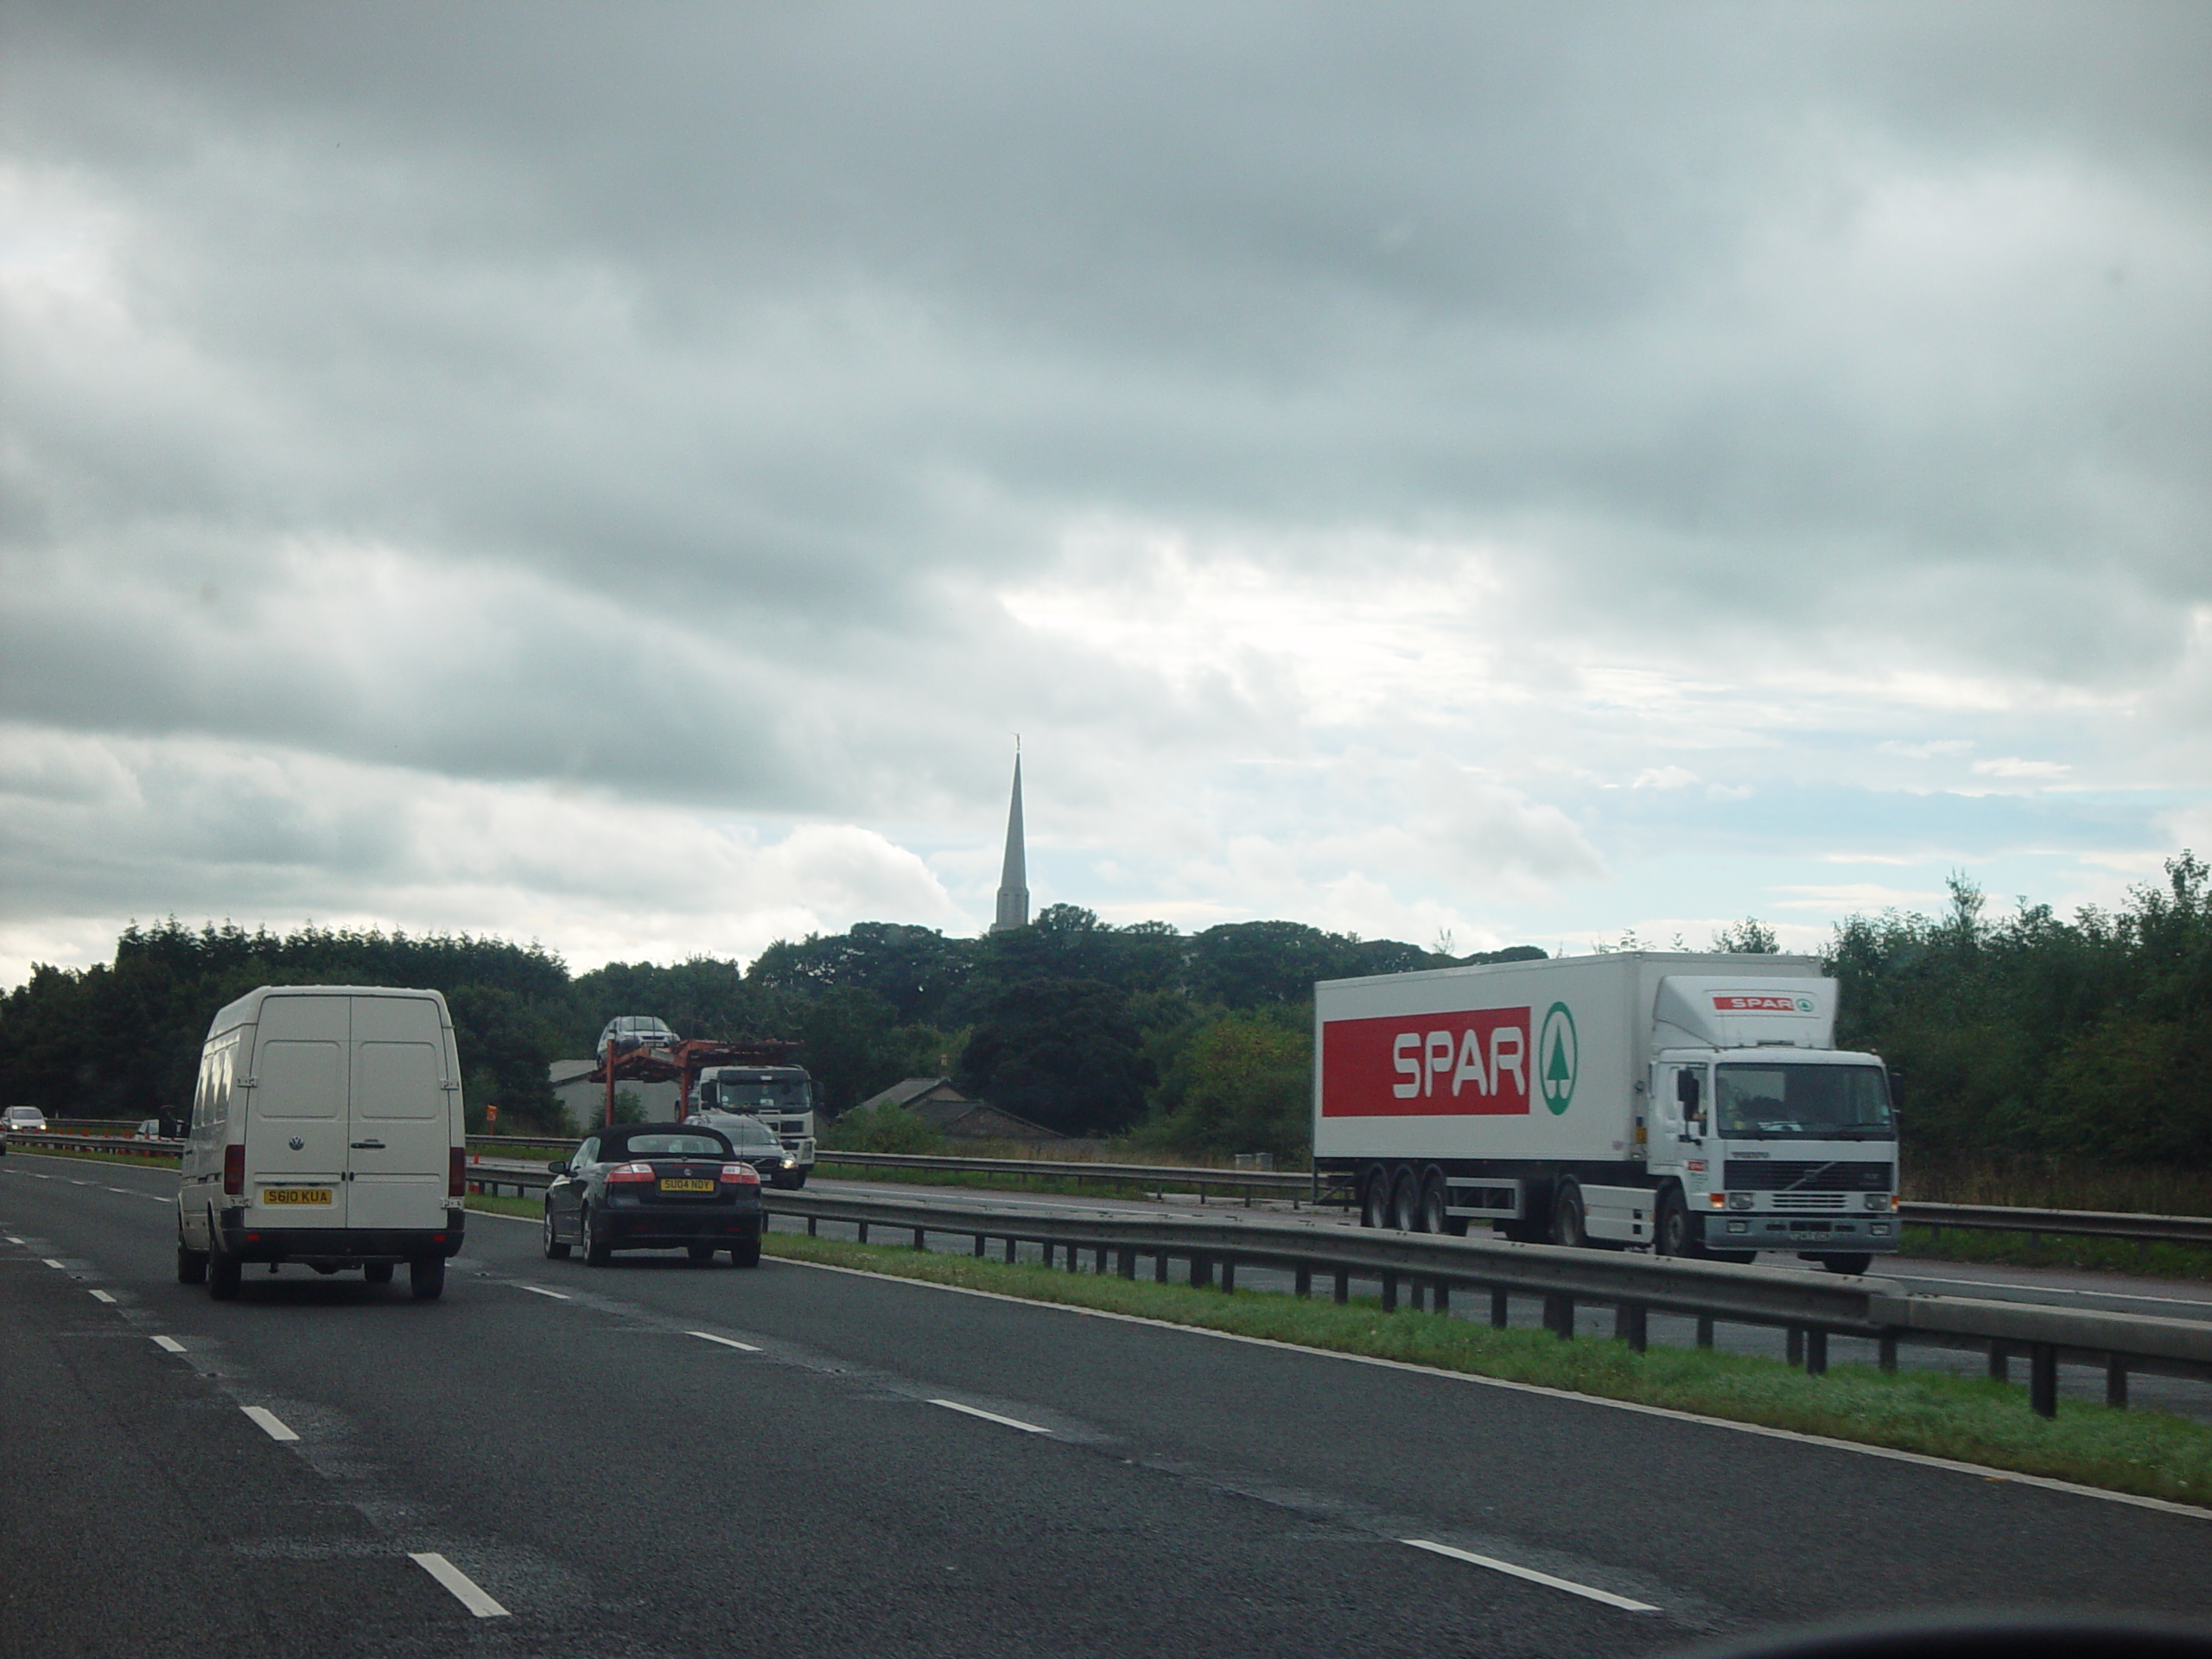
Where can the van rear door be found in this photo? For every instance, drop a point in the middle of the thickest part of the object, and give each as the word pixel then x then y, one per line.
pixel 399 1138
pixel 296 1124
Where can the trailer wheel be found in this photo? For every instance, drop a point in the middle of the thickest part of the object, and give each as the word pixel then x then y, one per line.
pixel 1375 1199
pixel 1430 1218
pixel 1405 1202
pixel 1567 1228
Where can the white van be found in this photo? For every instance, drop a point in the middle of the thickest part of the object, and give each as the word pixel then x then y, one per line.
pixel 326 1131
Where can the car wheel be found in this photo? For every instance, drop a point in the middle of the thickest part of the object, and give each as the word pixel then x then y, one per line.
pixel 1567 1218
pixel 699 1252
pixel 375 1273
pixel 747 1254
pixel 555 1249
pixel 224 1274
pixel 191 1266
pixel 1848 1263
pixel 597 1251
pixel 426 1277
pixel 798 1178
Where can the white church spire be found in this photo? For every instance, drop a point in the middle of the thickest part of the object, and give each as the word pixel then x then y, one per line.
pixel 1014 881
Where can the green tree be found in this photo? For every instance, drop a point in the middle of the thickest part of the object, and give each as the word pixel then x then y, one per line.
pixel 1062 1052
pixel 1241 1083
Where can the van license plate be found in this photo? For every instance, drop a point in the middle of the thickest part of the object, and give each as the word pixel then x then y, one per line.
pixel 687 1186
pixel 295 1195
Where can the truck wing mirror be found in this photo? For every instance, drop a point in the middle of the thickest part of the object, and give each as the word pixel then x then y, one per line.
pixel 1897 1091
pixel 1686 1091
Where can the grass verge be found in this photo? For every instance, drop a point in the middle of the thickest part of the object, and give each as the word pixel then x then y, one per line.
pixel 2148 1259
pixel 2148 1453
pixel 530 1208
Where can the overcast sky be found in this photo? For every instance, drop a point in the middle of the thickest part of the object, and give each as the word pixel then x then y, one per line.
pixel 621 475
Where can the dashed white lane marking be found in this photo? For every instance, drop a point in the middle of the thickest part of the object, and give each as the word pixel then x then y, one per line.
pixel 126 1190
pixel 557 1295
pixel 991 1416
pixel 463 1587
pixel 101 1296
pixel 1532 1575
pixel 55 1265
pixel 727 1342
pixel 12 1239
pixel 271 1424
pixel 168 1344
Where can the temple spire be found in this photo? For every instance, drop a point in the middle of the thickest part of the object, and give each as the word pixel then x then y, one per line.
pixel 1014 880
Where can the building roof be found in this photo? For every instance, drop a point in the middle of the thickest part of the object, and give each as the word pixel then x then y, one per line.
pixel 912 1090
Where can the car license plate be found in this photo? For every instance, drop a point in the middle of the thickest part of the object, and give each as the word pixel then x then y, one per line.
pixel 687 1186
pixel 295 1195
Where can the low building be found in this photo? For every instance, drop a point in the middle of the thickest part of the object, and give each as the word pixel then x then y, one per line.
pixel 937 1103
pixel 585 1100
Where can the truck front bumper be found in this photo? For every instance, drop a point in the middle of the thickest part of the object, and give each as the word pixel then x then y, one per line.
pixel 1767 1231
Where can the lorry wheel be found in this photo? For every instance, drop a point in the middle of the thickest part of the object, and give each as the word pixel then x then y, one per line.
pixel 1567 1218
pixel 597 1251
pixel 1375 1200
pixel 191 1266
pixel 555 1249
pixel 1431 1218
pixel 375 1273
pixel 426 1277
pixel 1672 1236
pixel 1858 1263
pixel 1405 1202
pixel 223 1275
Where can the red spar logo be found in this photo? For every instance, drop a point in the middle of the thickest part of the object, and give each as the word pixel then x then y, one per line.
pixel 1462 1065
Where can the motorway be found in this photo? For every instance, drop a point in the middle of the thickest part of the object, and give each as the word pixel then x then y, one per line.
pixel 658 1458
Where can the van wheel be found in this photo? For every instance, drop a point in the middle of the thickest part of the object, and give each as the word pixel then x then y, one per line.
pixel 1375 1200
pixel 191 1266
pixel 747 1254
pixel 223 1275
pixel 375 1273
pixel 426 1277
pixel 1567 1228
pixel 555 1249
pixel 597 1251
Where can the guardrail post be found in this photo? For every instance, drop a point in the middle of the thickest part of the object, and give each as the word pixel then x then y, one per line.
pixel 1558 1315
pixel 813 1224
pixel 1229 1275
pixel 1343 1287
pixel 863 1227
pixel 981 1241
pixel 919 1243
pixel 1013 1250
pixel 1047 1246
pixel 1886 1352
pixel 1628 1326
pixel 1099 1266
pixel 1704 1330
pixel 1201 1270
pixel 1128 1264
pixel 2116 1381
pixel 1501 1310
pixel 1305 1280
pixel 2042 1378
pixel 1816 1352
pixel 1999 1370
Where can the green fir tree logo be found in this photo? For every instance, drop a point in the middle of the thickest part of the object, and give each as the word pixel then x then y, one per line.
pixel 1560 1055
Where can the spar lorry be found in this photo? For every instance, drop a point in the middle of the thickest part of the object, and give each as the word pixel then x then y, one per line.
pixel 1695 1103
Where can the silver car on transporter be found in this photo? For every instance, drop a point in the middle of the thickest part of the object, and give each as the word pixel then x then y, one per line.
pixel 327 1131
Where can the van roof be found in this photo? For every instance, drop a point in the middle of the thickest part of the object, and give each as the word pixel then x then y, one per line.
pixel 246 1010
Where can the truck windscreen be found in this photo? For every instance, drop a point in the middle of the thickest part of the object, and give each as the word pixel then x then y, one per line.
pixel 735 1097
pixel 1803 1102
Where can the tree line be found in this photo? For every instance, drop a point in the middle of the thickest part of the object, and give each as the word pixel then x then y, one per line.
pixel 2032 1033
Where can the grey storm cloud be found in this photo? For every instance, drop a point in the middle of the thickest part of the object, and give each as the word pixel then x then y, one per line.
pixel 665 401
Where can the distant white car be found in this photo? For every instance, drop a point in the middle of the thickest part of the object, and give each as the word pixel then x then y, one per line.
pixel 24 1120
pixel 626 1032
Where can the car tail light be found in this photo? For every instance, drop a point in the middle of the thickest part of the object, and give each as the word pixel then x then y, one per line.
pixel 741 1175
pixel 234 1169
pixel 628 1174
pixel 457 1174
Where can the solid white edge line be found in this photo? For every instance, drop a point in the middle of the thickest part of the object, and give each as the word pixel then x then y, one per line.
pixel 727 1342
pixel 101 1296
pixel 168 1344
pixel 992 1416
pixel 1532 1576
pixel 462 1587
pixel 2164 1506
pixel 271 1424
pixel 557 1295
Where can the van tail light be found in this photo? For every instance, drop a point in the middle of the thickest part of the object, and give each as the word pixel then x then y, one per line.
pixel 234 1169
pixel 457 1174
pixel 741 1175
pixel 628 1174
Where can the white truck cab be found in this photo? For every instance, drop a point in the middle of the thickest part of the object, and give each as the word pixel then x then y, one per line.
pixel 326 1131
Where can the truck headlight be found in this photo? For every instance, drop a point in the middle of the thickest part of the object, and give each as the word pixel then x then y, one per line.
pixel 1739 1200
pixel 1878 1201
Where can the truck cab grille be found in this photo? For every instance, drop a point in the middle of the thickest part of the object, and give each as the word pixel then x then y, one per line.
pixel 1755 1175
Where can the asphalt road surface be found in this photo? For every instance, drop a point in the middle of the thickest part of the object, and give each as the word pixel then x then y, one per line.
pixel 654 1457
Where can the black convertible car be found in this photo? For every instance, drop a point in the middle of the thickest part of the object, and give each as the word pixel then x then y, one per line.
pixel 655 1187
